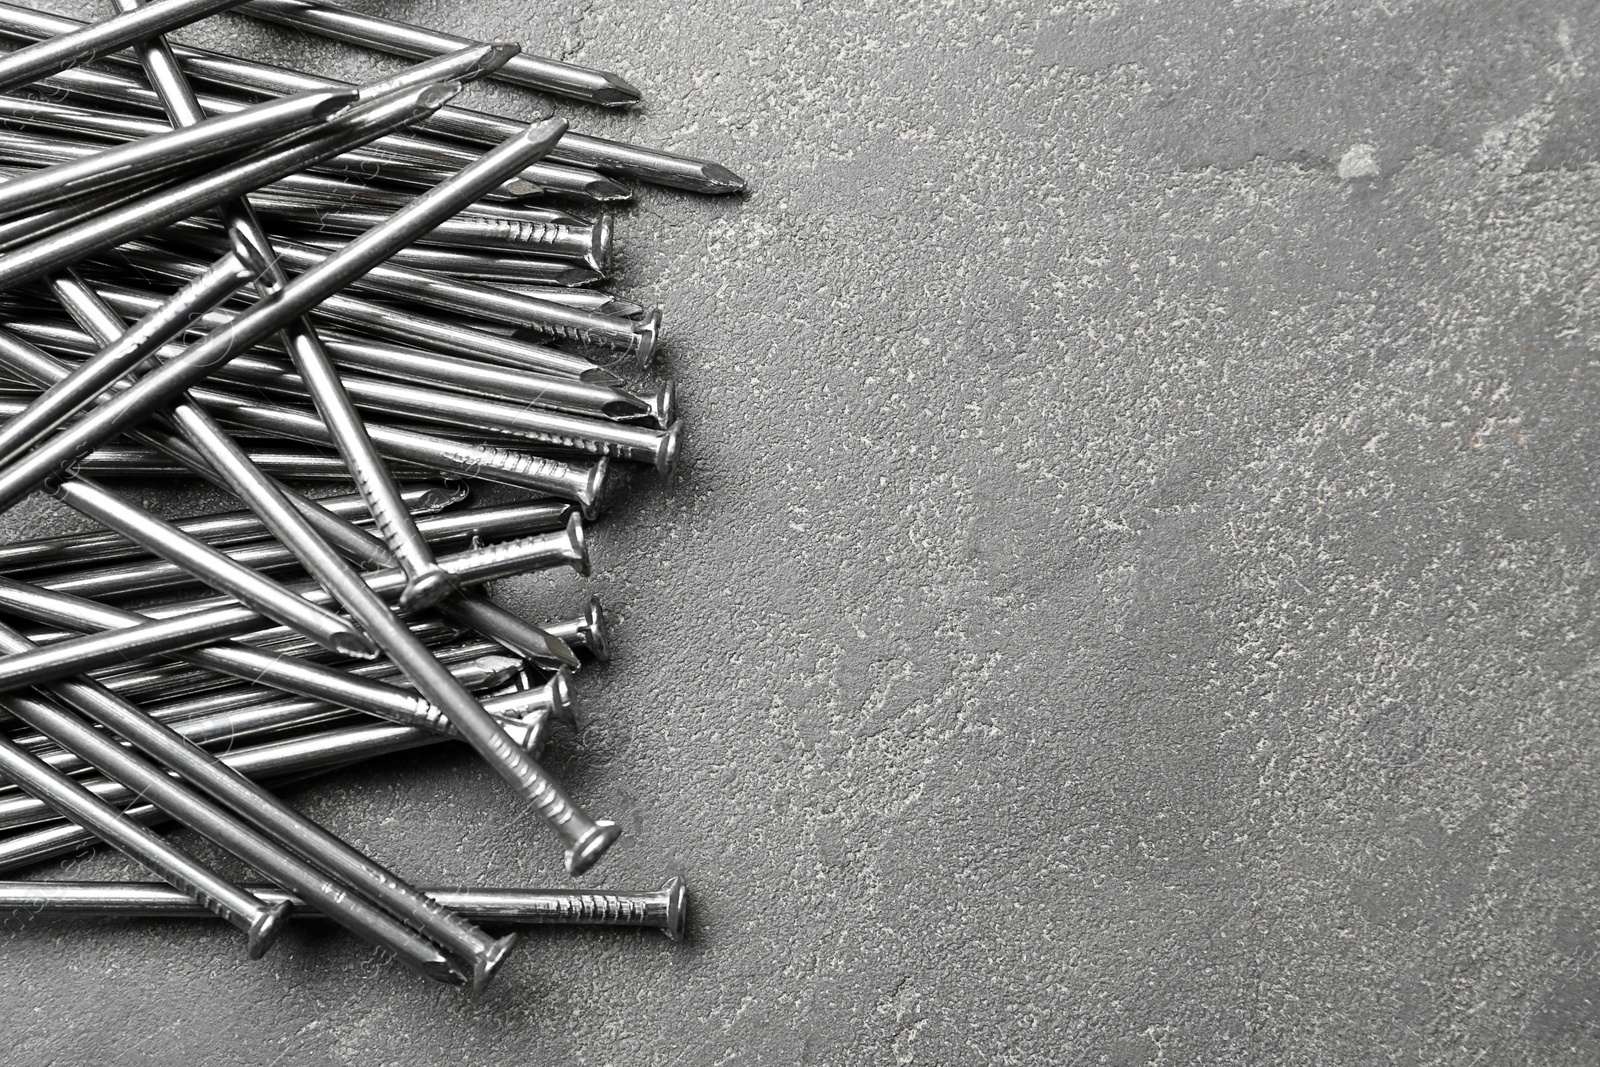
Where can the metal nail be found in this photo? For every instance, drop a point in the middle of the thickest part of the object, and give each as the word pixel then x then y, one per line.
pixel 429 333
pixel 338 744
pixel 113 462
pixel 119 576
pixel 204 684
pixel 120 579
pixel 482 266
pixel 89 42
pixel 299 191
pixel 403 39
pixel 265 716
pixel 352 126
pixel 488 232
pixel 218 530
pixel 416 160
pixel 491 462
pixel 536 315
pixel 639 444
pixel 663 909
pixel 422 371
pixel 211 566
pixel 181 148
pixel 460 296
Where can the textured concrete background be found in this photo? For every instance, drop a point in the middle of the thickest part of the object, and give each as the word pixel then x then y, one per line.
pixel 1129 598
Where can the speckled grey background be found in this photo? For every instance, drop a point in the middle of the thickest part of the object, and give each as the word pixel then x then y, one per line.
pixel 1129 598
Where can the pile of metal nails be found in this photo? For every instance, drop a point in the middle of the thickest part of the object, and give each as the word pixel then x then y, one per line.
pixel 224 271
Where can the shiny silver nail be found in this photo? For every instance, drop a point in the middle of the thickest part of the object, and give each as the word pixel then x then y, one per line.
pixel 663 909
pixel 404 39
pixel 352 126
pixel 175 149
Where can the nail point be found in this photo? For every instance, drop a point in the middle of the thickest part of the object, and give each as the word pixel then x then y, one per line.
pixel 619 92
pixel 723 179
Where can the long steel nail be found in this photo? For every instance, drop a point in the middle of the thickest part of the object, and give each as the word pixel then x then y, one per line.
pixel 81 45
pixel 342 194
pixel 483 266
pixel 639 444
pixel 145 463
pixel 396 165
pixel 338 743
pixel 404 154
pixel 181 148
pixel 249 720
pixel 219 529
pixel 422 372
pixel 413 271
pixel 262 922
pixel 213 567
pixel 351 127
pixel 487 232
pixel 115 580
pixel 479 665
pixel 109 578
pixel 247 695
pixel 491 462
pixel 403 39
pixel 663 909
pixel 585 326
pixel 434 334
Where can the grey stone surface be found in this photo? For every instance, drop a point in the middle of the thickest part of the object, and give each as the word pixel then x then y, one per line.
pixel 1129 598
